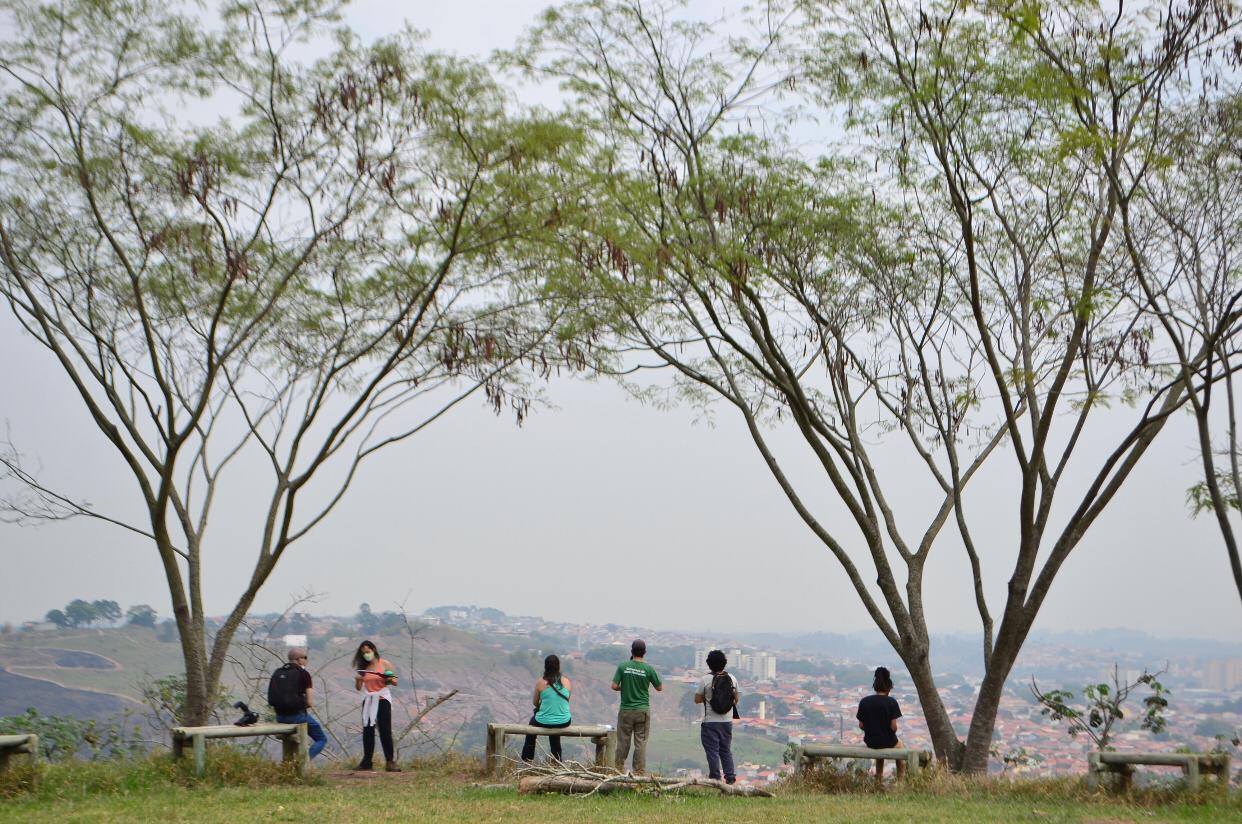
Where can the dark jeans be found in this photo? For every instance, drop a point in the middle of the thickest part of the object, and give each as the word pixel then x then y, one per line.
pixel 554 741
pixel 717 738
pixel 316 733
pixel 383 720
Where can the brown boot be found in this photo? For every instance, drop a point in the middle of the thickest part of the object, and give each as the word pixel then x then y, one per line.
pixel 391 766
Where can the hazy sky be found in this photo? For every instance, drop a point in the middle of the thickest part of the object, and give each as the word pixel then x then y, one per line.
pixel 601 510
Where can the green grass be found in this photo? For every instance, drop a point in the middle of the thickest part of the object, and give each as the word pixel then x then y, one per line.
pixel 668 749
pixel 154 790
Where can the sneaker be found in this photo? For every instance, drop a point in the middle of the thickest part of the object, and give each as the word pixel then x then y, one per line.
pixel 730 780
pixel 362 767
pixel 391 766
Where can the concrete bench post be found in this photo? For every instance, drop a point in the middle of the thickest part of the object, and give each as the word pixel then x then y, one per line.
pixel 26 744
pixel 1192 774
pixel 200 755
pixel 296 749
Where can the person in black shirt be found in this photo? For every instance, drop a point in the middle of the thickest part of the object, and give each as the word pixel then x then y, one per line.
pixel 877 717
pixel 297 657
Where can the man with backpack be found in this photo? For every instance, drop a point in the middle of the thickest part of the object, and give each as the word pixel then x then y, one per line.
pixel 718 694
pixel 291 694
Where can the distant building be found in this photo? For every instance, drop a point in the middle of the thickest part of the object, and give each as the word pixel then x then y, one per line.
pixel 761 666
pixel 1222 673
pixel 294 641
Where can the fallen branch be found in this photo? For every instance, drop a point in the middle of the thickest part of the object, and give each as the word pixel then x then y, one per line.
pixel 571 778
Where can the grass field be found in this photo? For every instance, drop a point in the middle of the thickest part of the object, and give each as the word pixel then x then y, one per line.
pixel 155 791
pixel 671 748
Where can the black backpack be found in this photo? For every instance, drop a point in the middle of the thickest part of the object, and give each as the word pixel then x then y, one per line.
pixel 722 693
pixel 284 691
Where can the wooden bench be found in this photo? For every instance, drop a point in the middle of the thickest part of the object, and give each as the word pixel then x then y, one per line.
pixel 604 737
pixel 1193 765
pixel 293 739
pixel 26 744
pixel 807 754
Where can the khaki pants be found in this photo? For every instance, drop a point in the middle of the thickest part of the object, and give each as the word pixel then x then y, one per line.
pixel 638 724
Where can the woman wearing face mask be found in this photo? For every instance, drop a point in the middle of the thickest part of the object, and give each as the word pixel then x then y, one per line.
pixel 376 675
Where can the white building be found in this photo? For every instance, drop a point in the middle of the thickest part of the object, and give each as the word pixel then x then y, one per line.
pixel 760 666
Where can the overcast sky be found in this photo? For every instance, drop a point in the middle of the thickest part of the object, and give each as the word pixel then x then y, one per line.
pixel 600 510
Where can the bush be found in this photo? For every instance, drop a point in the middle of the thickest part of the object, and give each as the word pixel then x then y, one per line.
pixel 226 767
pixel 62 737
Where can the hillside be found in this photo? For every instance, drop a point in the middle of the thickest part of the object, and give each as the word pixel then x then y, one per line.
pixel 102 671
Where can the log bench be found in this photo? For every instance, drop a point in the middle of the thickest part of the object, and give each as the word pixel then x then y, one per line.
pixel 807 754
pixel 1193 764
pixel 26 744
pixel 293 739
pixel 602 735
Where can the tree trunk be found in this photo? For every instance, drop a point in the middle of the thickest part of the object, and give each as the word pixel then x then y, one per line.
pixel 978 747
pixel 197 708
pixel 945 743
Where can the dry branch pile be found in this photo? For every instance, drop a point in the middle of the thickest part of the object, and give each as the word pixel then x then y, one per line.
pixel 572 778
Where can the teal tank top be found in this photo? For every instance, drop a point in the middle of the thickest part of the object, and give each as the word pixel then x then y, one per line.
pixel 553 708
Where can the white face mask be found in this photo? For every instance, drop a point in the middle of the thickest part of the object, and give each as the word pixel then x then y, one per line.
pixel 368 656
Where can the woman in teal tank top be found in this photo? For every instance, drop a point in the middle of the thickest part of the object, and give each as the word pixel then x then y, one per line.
pixel 551 701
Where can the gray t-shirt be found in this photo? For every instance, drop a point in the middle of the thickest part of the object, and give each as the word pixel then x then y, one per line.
pixel 705 689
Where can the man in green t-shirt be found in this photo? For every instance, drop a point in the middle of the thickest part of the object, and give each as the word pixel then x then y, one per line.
pixel 631 680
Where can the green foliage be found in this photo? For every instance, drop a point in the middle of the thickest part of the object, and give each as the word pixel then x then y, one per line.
pixel 107 611
pixel 1016 757
pixel 1199 496
pixel 141 615
pixel 368 622
pixel 349 233
pixel 63 737
pixel 166 698
pixel 1102 707
pixel 81 613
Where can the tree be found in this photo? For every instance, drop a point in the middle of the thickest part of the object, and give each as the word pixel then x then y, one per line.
pixel 55 616
pixel 954 286
pixel 109 611
pixel 1103 707
pixel 1194 207
pixel 81 613
pixel 320 274
pixel 368 623
pixel 140 615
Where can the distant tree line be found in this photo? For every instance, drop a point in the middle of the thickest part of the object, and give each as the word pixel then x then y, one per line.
pixel 82 613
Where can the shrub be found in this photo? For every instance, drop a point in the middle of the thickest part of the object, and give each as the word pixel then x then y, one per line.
pixel 62 737
pixel 226 767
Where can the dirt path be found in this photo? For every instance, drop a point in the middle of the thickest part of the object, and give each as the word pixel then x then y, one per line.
pixel 347 777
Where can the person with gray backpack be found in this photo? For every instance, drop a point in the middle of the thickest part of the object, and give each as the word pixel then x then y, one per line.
pixel 718 693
